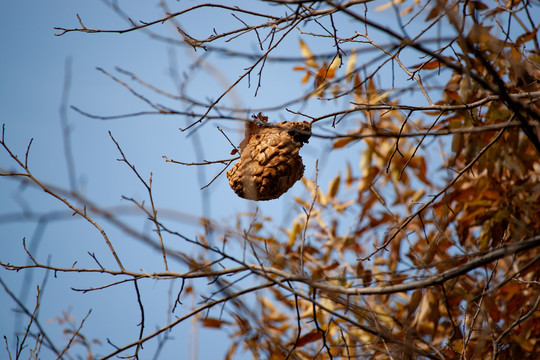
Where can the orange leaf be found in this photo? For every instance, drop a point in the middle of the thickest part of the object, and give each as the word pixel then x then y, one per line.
pixel 325 73
pixel 407 10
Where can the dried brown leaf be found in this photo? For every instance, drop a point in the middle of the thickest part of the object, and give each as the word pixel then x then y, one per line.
pixel 213 323
pixel 342 142
pixel 309 338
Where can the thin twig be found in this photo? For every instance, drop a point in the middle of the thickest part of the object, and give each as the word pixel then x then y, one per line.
pixel 205 162
pixel 48 189
pixel 153 215
pixel 141 324
pixel 27 312
pixel 187 316
pixel 319 330
pixel 74 335
pixel 299 326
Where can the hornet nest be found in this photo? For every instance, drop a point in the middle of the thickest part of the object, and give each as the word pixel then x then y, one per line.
pixel 269 162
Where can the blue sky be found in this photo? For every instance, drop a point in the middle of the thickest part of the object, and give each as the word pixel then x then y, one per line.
pixel 33 77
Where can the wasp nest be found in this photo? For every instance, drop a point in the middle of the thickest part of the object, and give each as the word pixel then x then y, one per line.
pixel 269 162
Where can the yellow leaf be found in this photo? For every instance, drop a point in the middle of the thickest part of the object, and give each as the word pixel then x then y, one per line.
pixel 335 63
pixel 379 98
pixel 340 207
pixel 309 184
pixel 365 159
pixel 267 303
pixel 417 195
pixel 388 4
pixel 351 63
pixel 321 198
pixel 349 179
pixel 297 228
pixel 314 190
pixel 305 50
pixel 302 202
pixel 333 187
pixel 306 53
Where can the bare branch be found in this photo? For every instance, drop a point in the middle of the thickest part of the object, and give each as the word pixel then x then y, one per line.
pixel 187 316
pixel 48 189
pixel 74 335
pixel 30 315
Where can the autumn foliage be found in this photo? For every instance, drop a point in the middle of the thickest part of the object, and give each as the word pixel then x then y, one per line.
pixel 426 243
